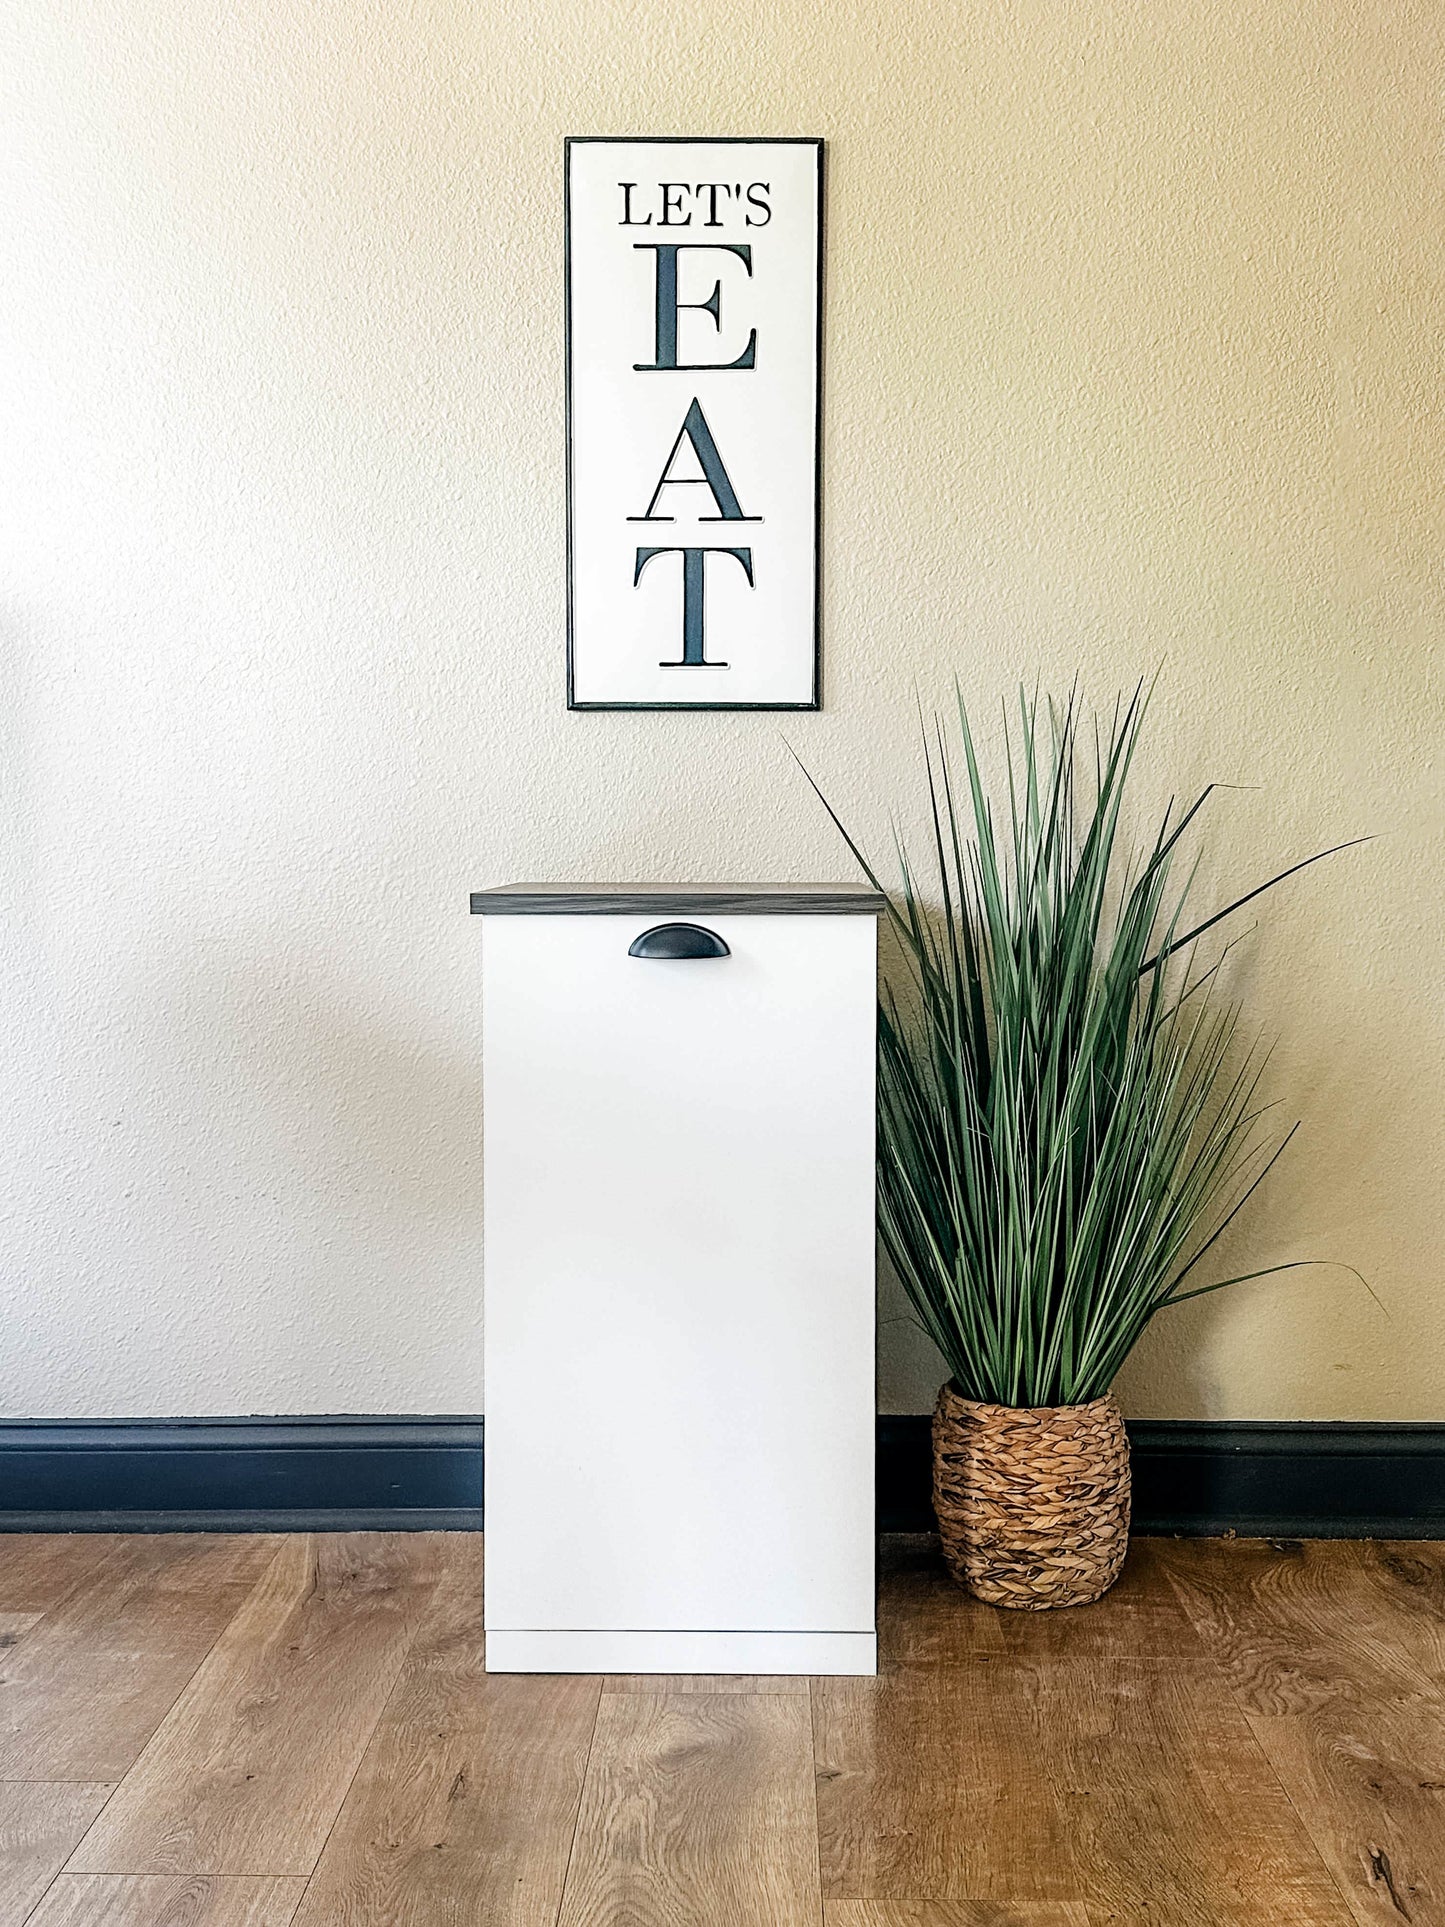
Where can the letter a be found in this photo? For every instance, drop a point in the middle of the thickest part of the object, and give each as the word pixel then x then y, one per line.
pixel 714 475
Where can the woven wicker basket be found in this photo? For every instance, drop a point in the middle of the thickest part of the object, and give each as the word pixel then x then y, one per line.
pixel 1033 1505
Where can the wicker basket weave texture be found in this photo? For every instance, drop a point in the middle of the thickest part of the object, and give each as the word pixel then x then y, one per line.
pixel 1032 1503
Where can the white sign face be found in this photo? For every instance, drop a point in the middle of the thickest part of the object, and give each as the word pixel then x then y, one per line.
pixel 693 333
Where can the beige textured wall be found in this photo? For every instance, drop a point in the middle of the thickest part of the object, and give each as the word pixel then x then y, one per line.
pixel 1133 352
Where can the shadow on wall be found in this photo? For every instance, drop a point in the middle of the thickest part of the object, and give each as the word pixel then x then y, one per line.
pixel 1321 1320
pixel 370 1110
pixel 1347 1113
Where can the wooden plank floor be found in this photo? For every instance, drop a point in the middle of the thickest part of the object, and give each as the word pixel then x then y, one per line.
pixel 299 1731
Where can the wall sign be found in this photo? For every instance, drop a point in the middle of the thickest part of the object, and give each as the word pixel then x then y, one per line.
pixel 694 310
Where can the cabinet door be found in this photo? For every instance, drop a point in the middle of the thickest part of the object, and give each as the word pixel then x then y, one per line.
pixel 679 1275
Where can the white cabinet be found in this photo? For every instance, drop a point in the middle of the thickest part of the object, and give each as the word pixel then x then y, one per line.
pixel 679 1251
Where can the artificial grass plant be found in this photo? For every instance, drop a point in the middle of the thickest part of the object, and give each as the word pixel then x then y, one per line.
pixel 1069 1115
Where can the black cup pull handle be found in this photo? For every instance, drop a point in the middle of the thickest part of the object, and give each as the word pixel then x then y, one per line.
pixel 673 940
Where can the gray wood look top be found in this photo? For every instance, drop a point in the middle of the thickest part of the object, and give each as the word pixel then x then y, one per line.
pixel 642 899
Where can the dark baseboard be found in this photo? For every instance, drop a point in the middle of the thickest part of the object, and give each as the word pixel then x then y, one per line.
pixel 1297 1481
pixel 1261 1479
pixel 241 1475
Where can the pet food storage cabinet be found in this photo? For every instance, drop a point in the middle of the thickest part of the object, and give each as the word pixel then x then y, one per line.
pixel 678 1090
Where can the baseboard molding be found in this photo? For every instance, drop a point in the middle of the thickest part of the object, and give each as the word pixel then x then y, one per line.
pixel 1261 1479
pixel 241 1475
pixel 1272 1480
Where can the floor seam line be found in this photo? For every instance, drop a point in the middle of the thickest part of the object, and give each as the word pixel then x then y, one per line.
pixel 164 1719
pixel 1236 1700
pixel 581 1796
pixel 372 1732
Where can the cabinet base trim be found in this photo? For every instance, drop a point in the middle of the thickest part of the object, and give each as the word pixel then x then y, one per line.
pixel 680 1652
